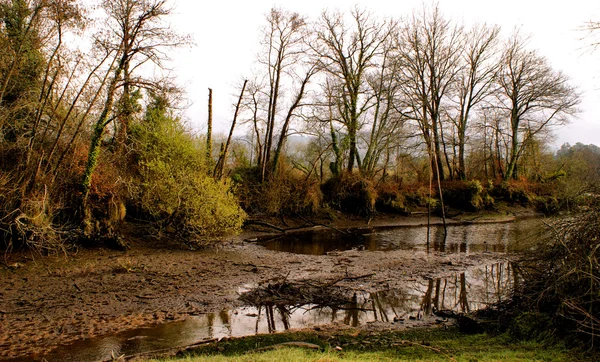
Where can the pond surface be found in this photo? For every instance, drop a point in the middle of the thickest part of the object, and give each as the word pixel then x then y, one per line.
pixel 495 237
pixel 414 303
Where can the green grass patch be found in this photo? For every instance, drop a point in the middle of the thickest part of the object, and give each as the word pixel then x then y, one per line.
pixel 418 345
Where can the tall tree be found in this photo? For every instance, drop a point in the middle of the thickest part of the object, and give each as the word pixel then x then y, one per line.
pixel 429 52
pixel 475 80
pixel 532 96
pixel 136 34
pixel 384 122
pixel 347 53
pixel 283 64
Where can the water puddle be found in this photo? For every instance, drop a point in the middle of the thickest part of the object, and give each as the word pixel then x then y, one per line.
pixel 499 237
pixel 414 303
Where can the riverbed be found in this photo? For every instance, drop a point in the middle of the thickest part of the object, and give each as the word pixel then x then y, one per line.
pixel 100 302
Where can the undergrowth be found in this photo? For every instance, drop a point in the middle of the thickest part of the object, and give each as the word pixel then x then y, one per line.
pixel 559 297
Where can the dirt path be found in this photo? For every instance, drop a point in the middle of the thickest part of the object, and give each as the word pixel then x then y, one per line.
pixel 45 302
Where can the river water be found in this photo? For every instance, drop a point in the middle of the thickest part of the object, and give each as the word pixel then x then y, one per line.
pixel 498 237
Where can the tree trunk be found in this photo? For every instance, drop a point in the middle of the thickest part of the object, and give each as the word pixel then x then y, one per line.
pixel 511 169
pixel 218 172
pixel 462 173
pixel 335 166
pixel 209 131
pixel 352 145
pixel 101 123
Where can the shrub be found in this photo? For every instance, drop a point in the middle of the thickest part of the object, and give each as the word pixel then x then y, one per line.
pixel 173 188
pixel 562 277
pixel 289 192
pixel 514 192
pixel 548 205
pixel 464 195
pixel 350 193
pixel 390 198
pixel 531 326
pixel 416 195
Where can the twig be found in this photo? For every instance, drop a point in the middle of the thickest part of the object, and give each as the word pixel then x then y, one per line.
pixel 262 223
pixel 323 225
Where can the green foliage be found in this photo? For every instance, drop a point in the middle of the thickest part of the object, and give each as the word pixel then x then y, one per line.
pixel 22 60
pixel 579 166
pixel 514 192
pixel 531 326
pixel 173 186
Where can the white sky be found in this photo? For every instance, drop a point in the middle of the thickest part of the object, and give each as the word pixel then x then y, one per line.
pixel 226 34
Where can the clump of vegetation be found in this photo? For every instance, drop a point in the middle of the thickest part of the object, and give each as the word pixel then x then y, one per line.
pixel 464 195
pixel 291 192
pixel 351 193
pixel 543 196
pixel 417 195
pixel 287 193
pixel 560 292
pixel 172 187
pixel 390 198
pixel 514 192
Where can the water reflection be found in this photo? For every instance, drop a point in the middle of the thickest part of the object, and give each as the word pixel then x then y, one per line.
pixel 461 292
pixel 498 237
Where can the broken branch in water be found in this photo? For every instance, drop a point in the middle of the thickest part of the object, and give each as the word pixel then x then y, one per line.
pixel 293 294
pixel 262 223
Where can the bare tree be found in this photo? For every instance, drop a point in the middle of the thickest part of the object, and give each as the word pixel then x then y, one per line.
pixel 347 53
pixel 479 65
pixel 276 94
pixel 383 119
pixel 592 28
pixel 532 96
pixel 429 49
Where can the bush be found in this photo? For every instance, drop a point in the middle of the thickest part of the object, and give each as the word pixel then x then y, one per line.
pixel 34 203
pixel 350 193
pixel 417 195
pixel 173 188
pixel 514 192
pixel 562 278
pixel 390 198
pixel 290 193
pixel 548 205
pixel 287 193
pixel 531 326
pixel 464 195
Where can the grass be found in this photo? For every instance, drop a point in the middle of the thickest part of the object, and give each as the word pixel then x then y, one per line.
pixel 418 345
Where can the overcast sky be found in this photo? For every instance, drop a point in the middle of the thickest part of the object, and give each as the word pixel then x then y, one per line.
pixel 226 34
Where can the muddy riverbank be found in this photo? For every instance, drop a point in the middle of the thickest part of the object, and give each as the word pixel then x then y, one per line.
pixel 50 301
